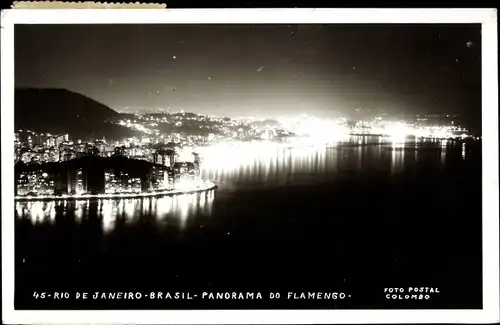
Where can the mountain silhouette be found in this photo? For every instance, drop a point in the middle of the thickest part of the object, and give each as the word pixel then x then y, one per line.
pixel 63 111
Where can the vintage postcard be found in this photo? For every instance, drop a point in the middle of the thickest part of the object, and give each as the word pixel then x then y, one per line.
pixel 250 166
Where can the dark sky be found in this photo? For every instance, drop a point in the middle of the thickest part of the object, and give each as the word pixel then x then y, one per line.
pixel 263 70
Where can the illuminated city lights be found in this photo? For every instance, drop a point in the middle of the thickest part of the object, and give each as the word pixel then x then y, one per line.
pixel 180 159
pixel 201 186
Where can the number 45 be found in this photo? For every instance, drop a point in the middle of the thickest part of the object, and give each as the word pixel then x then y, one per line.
pixel 36 295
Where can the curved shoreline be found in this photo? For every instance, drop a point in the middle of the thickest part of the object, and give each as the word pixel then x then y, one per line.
pixel 205 186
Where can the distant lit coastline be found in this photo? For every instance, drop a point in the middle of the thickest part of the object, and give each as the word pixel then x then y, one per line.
pixel 200 187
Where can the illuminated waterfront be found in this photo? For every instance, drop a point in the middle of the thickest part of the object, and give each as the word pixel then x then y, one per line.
pixel 196 187
pixel 281 214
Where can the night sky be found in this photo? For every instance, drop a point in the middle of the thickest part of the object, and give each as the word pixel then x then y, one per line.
pixel 262 70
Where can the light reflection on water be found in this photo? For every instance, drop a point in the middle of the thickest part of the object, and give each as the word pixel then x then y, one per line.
pixel 176 208
pixel 235 165
pixel 250 166
pixel 37 211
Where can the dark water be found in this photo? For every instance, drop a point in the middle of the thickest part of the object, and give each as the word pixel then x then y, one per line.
pixel 355 217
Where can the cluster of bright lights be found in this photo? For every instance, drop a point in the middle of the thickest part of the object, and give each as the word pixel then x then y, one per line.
pixel 398 130
pixel 195 186
pixel 137 126
pixel 185 154
pixel 313 130
pixel 186 185
pixel 401 130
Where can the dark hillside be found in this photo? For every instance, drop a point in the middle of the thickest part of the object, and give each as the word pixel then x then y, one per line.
pixel 63 111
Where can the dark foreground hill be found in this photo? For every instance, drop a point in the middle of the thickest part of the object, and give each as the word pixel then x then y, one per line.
pixel 63 111
pixel 134 167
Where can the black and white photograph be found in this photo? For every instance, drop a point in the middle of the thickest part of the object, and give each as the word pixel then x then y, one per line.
pixel 250 161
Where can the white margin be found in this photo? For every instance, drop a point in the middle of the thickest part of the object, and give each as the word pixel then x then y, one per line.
pixel 488 19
